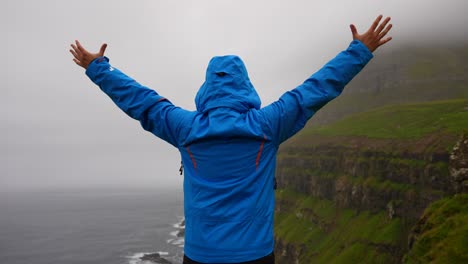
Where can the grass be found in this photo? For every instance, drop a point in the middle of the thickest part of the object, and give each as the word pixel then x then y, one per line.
pixel 386 185
pixel 376 180
pixel 444 233
pixel 336 236
pixel 402 121
pixel 415 93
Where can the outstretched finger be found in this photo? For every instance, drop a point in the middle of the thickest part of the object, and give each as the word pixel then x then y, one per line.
pixel 382 26
pixel 376 23
pixel 353 30
pixel 77 61
pixel 76 50
pixel 74 53
pixel 103 49
pixel 80 48
pixel 385 41
pixel 387 29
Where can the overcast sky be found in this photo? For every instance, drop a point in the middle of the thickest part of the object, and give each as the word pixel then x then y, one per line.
pixel 60 131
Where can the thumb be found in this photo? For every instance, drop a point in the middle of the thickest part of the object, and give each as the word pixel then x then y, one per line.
pixel 353 31
pixel 103 49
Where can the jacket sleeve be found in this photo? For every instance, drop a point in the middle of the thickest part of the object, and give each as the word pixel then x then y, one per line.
pixel 155 113
pixel 290 113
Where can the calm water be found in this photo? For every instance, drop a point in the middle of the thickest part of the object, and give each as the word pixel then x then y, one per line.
pixel 84 226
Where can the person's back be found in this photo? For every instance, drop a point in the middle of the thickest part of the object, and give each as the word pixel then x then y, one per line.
pixel 227 157
pixel 229 198
pixel 228 146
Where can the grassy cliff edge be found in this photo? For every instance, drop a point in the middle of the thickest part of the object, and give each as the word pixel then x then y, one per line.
pixel 353 190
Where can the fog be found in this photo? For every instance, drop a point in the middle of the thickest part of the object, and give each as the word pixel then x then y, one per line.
pixel 60 131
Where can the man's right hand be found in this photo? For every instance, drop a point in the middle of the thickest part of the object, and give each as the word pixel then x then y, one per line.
pixel 82 57
pixel 374 36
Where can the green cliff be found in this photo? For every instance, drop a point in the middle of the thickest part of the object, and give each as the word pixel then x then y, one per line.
pixel 441 235
pixel 359 190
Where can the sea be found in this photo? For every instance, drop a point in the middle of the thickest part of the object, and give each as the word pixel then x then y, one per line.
pixel 91 226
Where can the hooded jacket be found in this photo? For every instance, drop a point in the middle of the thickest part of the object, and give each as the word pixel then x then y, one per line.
pixel 228 146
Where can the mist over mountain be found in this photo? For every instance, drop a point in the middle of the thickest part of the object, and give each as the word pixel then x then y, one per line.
pixel 380 175
pixel 405 73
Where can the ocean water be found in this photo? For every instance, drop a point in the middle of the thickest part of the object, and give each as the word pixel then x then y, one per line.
pixel 90 226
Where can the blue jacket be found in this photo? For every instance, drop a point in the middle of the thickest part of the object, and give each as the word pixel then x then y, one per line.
pixel 228 146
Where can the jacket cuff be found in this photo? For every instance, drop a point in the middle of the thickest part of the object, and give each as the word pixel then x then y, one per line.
pixel 361 50
pixel 97 65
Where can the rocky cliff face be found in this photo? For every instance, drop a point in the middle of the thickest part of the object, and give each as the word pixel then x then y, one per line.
pixel 459 166
pixel 399 178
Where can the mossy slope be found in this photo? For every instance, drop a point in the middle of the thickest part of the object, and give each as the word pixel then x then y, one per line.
pixel 323 233
pixel 441 236
pixel 351 191
pixel 402 121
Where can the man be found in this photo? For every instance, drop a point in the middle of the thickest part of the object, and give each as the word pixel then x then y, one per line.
pixel 229 145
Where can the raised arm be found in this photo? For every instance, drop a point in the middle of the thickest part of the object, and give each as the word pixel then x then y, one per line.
pixel 155 113
pixel 290 113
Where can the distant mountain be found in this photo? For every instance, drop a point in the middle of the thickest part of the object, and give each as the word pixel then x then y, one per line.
pixel 408 74
pixel 380 175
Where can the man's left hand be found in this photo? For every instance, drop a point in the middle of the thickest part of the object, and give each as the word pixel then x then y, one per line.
pixel 82 57
pixel 374 36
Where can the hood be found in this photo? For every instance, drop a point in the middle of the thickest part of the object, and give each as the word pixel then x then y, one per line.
pixel 227 84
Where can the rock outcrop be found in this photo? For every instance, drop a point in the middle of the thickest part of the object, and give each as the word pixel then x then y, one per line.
pixel 395 177
pixel 459 165
pixel 155 258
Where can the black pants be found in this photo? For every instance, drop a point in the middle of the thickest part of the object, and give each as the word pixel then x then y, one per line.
pixel 269 259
